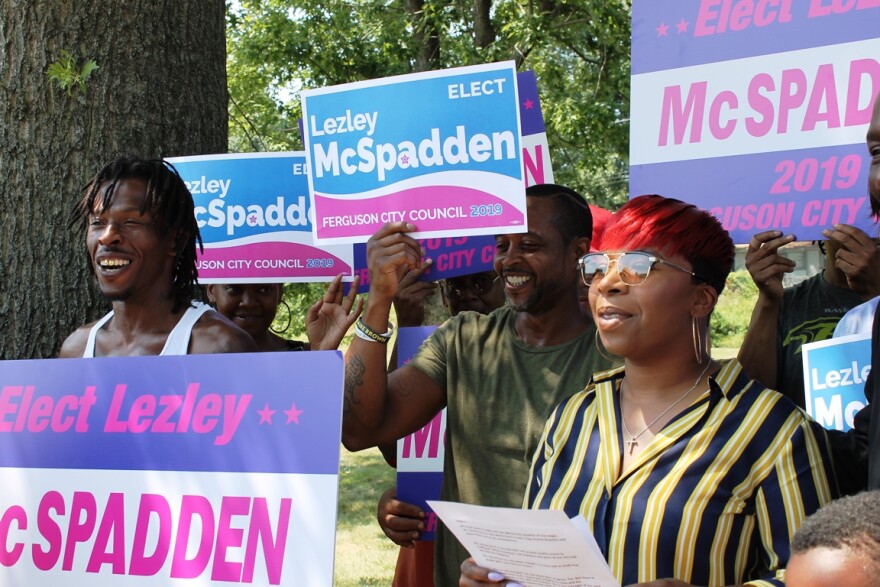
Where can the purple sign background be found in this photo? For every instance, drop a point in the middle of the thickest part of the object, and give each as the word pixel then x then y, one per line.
pixel 756 111
pixel 258 412
pixel 418 486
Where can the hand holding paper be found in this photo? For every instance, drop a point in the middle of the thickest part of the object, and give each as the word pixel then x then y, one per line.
pixel 535 548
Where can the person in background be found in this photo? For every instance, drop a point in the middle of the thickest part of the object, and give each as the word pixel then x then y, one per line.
pixel 785 319
pixel 499 374
pixel 839 545
pixel 401 521
pixel 866 431
pixel 685 469
pixel 141 237
pixel 253 307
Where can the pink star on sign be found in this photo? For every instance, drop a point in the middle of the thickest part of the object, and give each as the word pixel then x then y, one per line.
pixel 529 104
pixel 293 414
pixel 252 219
pixel 266 414
pixel 682 26
pixel 662 29
pixel 404 160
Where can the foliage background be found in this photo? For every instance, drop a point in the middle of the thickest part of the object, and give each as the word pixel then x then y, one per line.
pixel 579 50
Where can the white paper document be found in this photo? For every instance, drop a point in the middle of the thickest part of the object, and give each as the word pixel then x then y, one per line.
pixel 537 548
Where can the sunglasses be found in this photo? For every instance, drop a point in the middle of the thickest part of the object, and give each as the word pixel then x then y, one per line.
pixel 478 285
pixel 633 268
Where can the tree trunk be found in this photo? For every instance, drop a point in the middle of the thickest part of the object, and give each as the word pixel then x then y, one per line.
pixel 159 90
pixel 426 36
pixel 484 31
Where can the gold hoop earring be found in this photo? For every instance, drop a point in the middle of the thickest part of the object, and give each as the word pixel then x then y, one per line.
pixel 698 340
pixel 599 348
pixel 289 319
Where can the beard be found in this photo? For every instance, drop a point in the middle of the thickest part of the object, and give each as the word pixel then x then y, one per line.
pixel 525 305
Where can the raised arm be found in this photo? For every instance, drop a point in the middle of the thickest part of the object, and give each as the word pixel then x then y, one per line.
pixel 378 408
pixel 758 353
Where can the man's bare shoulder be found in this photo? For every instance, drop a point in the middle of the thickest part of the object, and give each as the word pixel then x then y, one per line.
pixel 214 333
pixel 74 345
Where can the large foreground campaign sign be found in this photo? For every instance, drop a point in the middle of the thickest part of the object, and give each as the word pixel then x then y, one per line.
pixel 254 215
pixel 756 111
pixel 439 149
pixel 835 371
pixel 152 471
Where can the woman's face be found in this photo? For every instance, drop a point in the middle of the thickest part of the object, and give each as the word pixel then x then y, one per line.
pixel 646 320
pixel 251 306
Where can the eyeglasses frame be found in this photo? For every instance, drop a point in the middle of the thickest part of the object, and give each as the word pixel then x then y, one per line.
pixel 653 259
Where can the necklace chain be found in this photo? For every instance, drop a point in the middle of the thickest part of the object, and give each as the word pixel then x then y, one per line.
pixel 634 438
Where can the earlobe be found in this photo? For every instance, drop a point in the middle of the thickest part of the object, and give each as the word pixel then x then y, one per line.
pixel 705 299
pixel 582 246
pixel 209 289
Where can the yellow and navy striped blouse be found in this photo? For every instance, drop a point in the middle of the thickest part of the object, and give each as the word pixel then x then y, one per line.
pixel 714 498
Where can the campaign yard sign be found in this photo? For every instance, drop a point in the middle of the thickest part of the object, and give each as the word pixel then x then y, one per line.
pixel 462 255
pixel 835 371
pixel 756 111
pixel 150 471
pixel 254 215
pixel 438 149
pixel 420 454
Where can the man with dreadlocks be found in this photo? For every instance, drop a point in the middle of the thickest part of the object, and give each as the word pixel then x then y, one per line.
pixel 141 237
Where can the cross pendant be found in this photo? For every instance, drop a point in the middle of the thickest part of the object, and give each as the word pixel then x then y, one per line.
pixel 632 442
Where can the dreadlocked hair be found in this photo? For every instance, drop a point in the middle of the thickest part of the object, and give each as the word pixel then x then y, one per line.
pixel 171 204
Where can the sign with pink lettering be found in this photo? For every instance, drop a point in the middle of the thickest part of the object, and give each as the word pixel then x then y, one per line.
pixel 254 216
pixel 439 149
pixel 420 454
pixel 456 256
pixel 756 111
pixel 170 470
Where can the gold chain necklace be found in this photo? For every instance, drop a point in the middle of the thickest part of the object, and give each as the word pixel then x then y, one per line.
pixel 634 438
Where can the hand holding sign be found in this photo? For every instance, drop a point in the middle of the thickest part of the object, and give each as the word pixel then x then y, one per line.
pixel 409 303
pixel 390 254
pixel 400 521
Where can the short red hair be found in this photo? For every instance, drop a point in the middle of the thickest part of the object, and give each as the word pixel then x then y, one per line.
pixel 673 227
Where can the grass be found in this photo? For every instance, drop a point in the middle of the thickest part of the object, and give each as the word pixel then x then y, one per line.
pixel 364 555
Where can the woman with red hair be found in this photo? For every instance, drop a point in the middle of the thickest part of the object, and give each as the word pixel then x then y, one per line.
pixel 684 468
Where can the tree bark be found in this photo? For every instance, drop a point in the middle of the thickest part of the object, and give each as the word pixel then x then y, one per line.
pixel 484 32
pixel 426 35
pixel 159 90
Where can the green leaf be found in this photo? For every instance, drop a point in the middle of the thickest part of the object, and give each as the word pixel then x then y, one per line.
pixel 87 69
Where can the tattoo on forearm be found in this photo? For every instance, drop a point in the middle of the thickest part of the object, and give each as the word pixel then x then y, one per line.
pixel 354 378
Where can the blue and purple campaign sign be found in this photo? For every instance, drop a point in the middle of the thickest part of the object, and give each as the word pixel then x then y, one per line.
pixel 439 149
pixel 170 470
pixel 420 454
pixel 456 256
pixel 756 111
pixel 835 371
pixel 254 215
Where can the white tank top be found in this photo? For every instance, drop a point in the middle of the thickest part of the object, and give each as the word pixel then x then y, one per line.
pixel 178 340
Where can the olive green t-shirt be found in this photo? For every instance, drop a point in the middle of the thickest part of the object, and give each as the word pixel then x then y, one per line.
pixel 499 393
